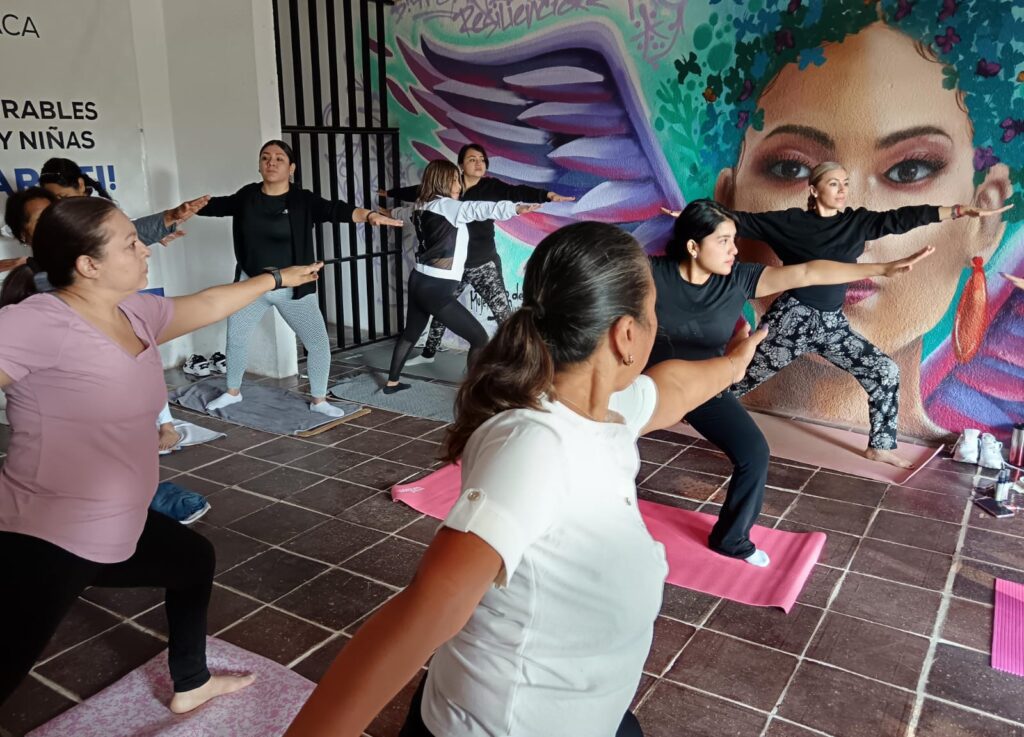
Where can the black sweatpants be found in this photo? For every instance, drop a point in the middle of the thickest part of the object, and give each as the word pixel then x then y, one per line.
pixel 414 726
pixel 724 423
pixel 39 582
pixel 429 297
pixel 488 283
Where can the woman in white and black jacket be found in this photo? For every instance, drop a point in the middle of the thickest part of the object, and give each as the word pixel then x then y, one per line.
pixel 440 220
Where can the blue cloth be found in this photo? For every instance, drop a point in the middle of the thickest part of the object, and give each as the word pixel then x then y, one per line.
pixel 177 503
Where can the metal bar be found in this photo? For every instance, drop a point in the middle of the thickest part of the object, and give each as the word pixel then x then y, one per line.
pixel 350 188
pixel 385 238
pixel 293 30
pixel 314 62
pixel 382 71
pixel 337 129
pixel 277 57
pixel 399 261
pixel 371 292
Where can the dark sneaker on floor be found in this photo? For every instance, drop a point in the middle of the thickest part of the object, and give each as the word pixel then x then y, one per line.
pixel 196 365
pixel 219 363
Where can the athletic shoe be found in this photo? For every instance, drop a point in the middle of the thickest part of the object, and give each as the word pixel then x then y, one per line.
pixel 219 363
pixel 419 360
pixel 196 365
pixel 990 452
pixel 966 448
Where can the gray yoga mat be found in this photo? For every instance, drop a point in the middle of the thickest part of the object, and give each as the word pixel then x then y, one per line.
pixel 423 399
pixel 267 408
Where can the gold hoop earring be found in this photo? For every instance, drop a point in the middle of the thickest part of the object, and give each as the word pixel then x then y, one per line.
pixel 629 360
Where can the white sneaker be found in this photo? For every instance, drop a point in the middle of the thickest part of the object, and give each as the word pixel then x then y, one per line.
pixel 196 365
pixel 419 360
pixel 966 448
pixel 990 452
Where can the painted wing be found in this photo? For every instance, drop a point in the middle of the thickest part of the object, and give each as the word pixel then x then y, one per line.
pixel 562 114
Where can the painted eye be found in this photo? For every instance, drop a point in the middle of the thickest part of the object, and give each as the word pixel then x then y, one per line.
pixel 913 170
pixel 789 169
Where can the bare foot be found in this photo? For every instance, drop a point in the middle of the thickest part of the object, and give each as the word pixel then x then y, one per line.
pixel 169 437
pixel 887 456
pixel 216 686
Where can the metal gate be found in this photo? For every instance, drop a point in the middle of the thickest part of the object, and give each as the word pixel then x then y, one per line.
pixel 332 83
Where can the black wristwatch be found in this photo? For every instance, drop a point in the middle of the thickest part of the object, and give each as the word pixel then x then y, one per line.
pixel 276 273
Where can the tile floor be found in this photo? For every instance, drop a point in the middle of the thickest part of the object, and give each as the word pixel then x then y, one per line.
pixel 891 636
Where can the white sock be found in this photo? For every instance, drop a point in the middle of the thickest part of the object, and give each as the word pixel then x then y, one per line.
pixel 758 558
pixel 326 408
pixel 224 400
pixel 419 360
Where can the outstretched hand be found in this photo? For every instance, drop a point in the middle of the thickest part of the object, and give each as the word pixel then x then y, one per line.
pixel 294 276
pixel 555 197
pixel 185 210
pixel 171 237
pixel 670 213
pixel 740 350
pixel 903 265
pixel 522 209
pixel 379 218
pixel 1014 280
pixel 974 212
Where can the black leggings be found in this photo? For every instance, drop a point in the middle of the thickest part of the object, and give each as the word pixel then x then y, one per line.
pixel 490 287
pixel 431 296
pixel 724 422
pixel 414 726
pixel 40 581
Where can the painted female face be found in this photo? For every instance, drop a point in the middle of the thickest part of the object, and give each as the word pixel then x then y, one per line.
pixel 904 140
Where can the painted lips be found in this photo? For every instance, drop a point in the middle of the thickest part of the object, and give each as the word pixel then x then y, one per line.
pixel 858 291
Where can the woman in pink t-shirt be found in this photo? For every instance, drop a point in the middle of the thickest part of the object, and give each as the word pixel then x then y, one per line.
pixel 84 381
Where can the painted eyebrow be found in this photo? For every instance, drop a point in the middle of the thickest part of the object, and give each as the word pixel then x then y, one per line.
pixel 805 131
pixel 921 130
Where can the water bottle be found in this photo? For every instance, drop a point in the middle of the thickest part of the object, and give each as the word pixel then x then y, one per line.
pixel 1017 449
pixel 1003 484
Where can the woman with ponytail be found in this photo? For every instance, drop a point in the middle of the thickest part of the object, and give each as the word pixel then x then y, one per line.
pixel 84 382
pixel 64 178
pixel 540 591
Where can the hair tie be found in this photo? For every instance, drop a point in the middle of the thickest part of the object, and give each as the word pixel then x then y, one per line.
pixel 535 310
pixel 32 264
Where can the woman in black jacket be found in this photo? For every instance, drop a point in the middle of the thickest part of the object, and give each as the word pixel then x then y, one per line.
pixel 272 228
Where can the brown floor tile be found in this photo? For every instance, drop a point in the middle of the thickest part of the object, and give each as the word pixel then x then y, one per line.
pixel 831 515
pixel 329 461
pixel 376 418
pixel 888 603
pixel 314 665
pixel 844 705
pixel 975 580
pixel 389 721
pixel 282 482
pixel 282 450
pixel 942 507
pixel 275 635
pixel 193 457
pixel 336 434
pixel 334 541
pixel 378 473
pixel 231 504
pixel 904 564
pixel 839 548
pixel 198 485
pixel 669 638
pixel 944 482
pixel 128 601
pixel 417 453
pixel 277 523
pixel 779 728
pixel 967 677
pixel 226 608
pixel 165 474
pixel 669 708
pixel 942 720
pixel 994 547
pixel 689 484
pixel 670 500
pixel 421 531
pixel 31 705
pixel 412 427
pixel 335 599
pixel 777 502
pixel 820 585
pixel 869 649
pixel 683 441
pixel 845 488
pixel 240 438
pixel 734 669
pixel 373 442
pixel 381 513
pixel 232 548
pixel 331 496
pixel 705 461
pixel 689 606
pixel 393 561
pixel 767 626
pixel 271 575
pixel 96 664
pixel 234 469
pixel 985 521
pixel 968 623
pixel 83 621
pixel 657 451
pixel 646 683
pixel 917 531
pixel 788 477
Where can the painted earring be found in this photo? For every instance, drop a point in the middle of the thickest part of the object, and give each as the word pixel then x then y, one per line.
pixel 969 324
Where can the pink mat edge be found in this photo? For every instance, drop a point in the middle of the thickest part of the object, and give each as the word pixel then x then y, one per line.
pixel 1001 660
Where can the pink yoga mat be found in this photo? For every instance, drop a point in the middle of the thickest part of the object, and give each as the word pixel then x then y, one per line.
pixel 1008 628
pixel 136 705
pixel 692 565
pixel 830 447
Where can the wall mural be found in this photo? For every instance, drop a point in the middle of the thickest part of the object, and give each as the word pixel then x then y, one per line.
pixel 636 105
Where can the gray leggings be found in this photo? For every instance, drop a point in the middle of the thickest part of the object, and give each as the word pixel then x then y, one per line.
pixel 302 315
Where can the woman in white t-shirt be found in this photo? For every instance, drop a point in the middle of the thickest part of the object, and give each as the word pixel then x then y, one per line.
pixel 540 591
